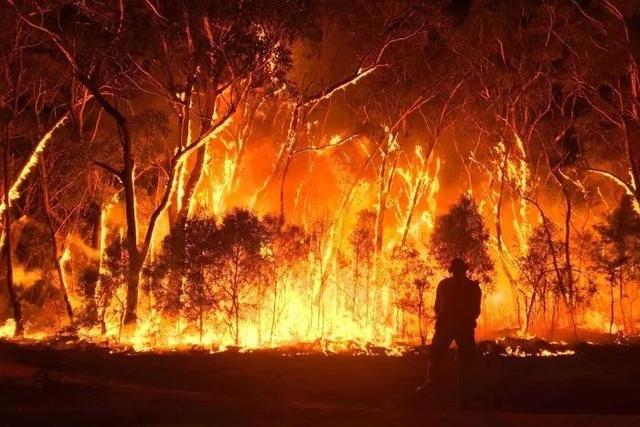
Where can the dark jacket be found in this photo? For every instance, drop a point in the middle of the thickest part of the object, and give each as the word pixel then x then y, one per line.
pixel 457 303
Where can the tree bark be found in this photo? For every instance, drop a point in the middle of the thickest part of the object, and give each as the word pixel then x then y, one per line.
pixel 127 176
pixel 13 298
pixel 55 249
pixel 499 239
pixel 135 264
pixel 612 304
pixel 415 197
pixel 383 191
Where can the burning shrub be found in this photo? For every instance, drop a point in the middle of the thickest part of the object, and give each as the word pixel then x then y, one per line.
pixel 239 263
pixel 182 278
pixel 285 247
pixel 411 278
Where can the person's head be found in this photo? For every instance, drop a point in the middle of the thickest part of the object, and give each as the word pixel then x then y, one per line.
pixel 458 267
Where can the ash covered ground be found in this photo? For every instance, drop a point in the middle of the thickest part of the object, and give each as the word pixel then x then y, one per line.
pixel 61 384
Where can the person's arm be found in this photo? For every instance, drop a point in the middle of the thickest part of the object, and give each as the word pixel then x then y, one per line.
pixel 477 300
pixel 438 305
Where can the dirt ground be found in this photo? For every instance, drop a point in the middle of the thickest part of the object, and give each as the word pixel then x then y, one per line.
pixel 39 385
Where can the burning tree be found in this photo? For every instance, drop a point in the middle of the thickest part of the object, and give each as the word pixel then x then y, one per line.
pixel 112 277
pixel 616 255
pixel 411 277
pixel 183 275
pixel 286 246
pixel 460 233
pixel 537 276
pixel 199 270
pixel 33 106
pixel 362 240
pixel 256 42
pixel 239 261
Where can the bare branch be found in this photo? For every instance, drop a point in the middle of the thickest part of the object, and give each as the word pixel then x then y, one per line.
pixel 115 172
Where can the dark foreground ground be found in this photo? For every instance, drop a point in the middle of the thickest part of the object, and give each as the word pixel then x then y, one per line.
pixel 599 386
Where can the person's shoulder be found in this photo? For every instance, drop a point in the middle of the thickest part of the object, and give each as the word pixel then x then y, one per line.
pixel 445 281
pixel 474 284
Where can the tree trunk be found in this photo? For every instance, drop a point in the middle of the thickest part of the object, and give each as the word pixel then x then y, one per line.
pixel 571 297
pixel 383 192
pixel 133 274
pixel 63 286
pixel 632 152
pixel 623 314
pixel 423 338
pixel 57 256
pixel 192 183
pixel 127 176
pixel 417 192
pixel 274 311
pixel 612 306
pixel 178 230
pixel 133 279
pixel 236 315
pixel 356 281
pixel 196 172
pixel 91 273
pixel 13 298
pixel 499 240
pixel 529 306
pixel 283 159
pixel 382 204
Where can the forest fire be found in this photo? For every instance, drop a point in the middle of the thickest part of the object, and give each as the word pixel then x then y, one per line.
pixel 298 177
pixel 258 213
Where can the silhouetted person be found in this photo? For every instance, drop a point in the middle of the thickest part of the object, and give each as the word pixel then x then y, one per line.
pixel 457 307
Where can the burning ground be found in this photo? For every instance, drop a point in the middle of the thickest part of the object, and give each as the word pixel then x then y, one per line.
pixel 76 385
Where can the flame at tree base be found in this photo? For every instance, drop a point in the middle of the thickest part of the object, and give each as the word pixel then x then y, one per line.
pixel 150 340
